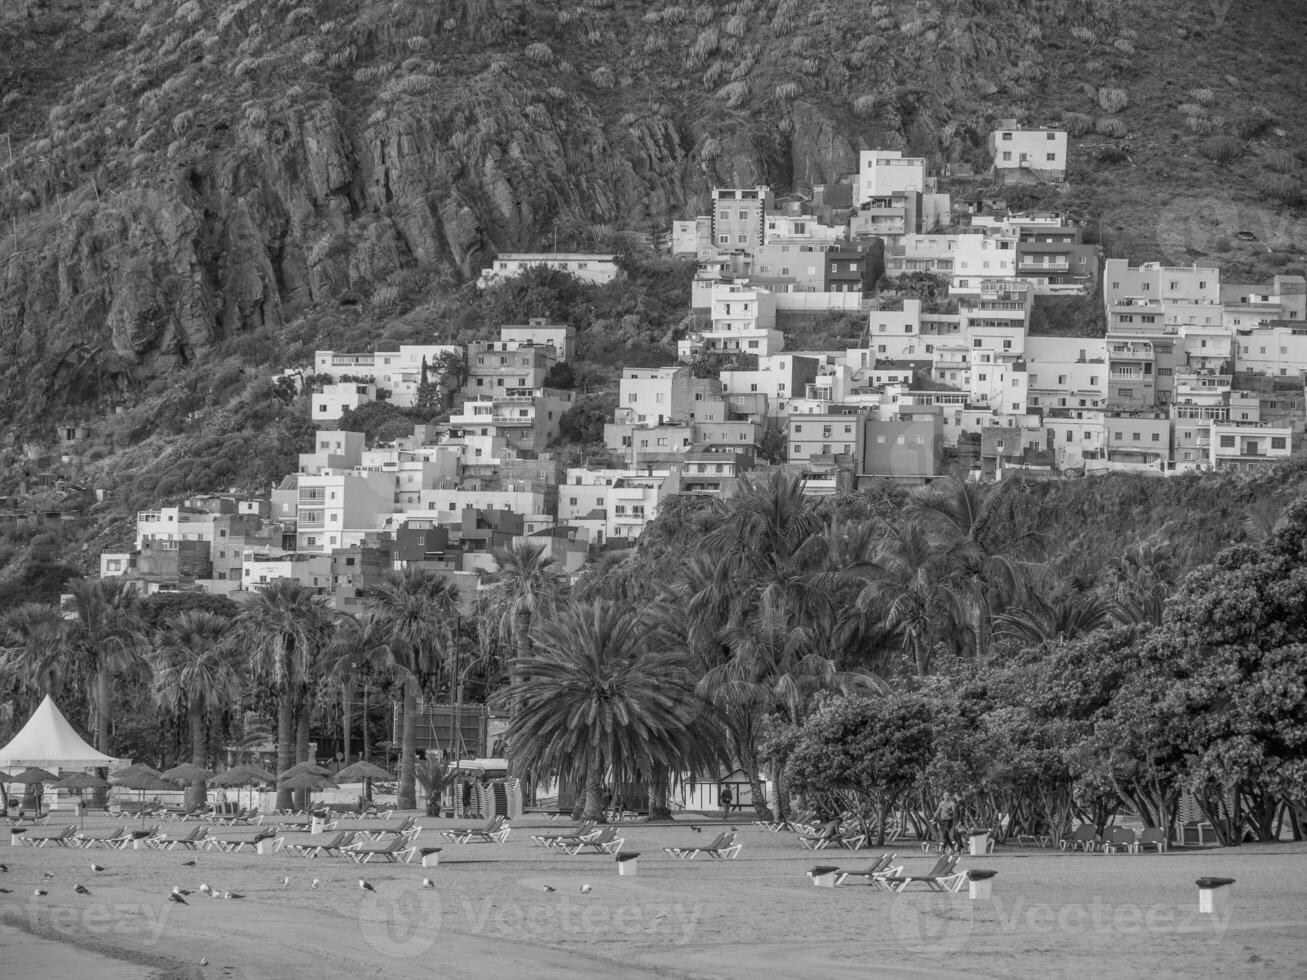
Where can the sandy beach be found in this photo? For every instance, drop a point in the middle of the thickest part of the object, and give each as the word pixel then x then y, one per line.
pixel 489 914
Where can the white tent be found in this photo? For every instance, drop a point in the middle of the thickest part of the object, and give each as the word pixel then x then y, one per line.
pixel 48 741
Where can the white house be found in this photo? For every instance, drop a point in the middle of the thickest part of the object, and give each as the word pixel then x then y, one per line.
pixel 1041 151
pixel 592 268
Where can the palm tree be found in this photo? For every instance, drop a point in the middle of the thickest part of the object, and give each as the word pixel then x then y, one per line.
pixel 34 651
pixel 197 674
pixel 419 610
pixel 1037 620
pixel 106 632
pixel 525 582
pixel 608 695
pixel 285 627
pixel 359 652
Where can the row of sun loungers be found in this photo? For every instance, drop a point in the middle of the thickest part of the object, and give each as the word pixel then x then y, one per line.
pixel 884 873
pixel 724 846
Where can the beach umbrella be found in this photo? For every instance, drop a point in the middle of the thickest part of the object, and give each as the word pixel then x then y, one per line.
pixel 187 773
pixel 307 780
pixel 360 771
pixel 244 775
pixel 81 781
pixel 140 777
pixel 28 777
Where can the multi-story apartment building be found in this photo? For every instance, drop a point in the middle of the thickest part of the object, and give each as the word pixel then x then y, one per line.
pixel 1066 372
pixel 1248 445
pixel 739 218
pixel 330 401
pixel 1154 282
pixel 539 332
pixel 800 263
pixel 980 258
pixel 499 367
pixel 651 396
pixel 337 509
pixel 779 377
pixel 883 173
pixel 598 269
pixel 399 372
pixel 1277 349
pixel 834 432
pixel 333 449
pixel 906 447
pixel 524 423
pixel 743 321
pixel 934 254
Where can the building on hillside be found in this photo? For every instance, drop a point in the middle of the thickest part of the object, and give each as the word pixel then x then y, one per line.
pixel 883 173
pixel 1041 151
pixel 652 396
pixel 337 509
pixel 598 269
pixel 712 470
pixel 1275 350
pixel 499 367
pixel 837 432
pixel 1066 372
pixel 333 449
pixel 523 423
pixel 330 401
pixel 1283 298
pixel 903 448
pixel 739 218
pixel 1247 445
pixel 979 259
pixel 398 372
pixel 1153 282
pixel 539 332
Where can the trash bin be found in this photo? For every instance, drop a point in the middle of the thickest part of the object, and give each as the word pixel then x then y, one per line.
pixel 980 884
pixel 823 876
pixel 430 856
pixel 1214 895
pixel 979 842
pixel 627 863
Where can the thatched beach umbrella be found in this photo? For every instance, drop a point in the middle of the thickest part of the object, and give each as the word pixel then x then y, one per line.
pixel 308 781
pixel 359 771
pixel 81 781
pixel 244 775
pixel 187 772
pixel 140 777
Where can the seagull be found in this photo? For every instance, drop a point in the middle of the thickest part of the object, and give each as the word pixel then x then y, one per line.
pixel 285 881
pixel 40 892
pixel 179 891
pixel 82 890
pixel 96 867
pixel 231 895
pixel 316 882
pixel 697 830
pixel 48 875
pixel 189 864
pixel 550 888
pixel 585 889
pixel 4 868
pixel 205 889
pixel 428 883
pixel 6 891
pixel 204 961
pixel 174 897
pixel 366 885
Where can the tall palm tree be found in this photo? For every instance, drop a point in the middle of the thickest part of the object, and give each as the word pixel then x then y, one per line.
pixel 419 610
pixel 34 651
pixel 360 653
pixel 106 631
pixel 197 674
pixel 525 582
pixel 607 696
pixel 1037 620
pixel 285 627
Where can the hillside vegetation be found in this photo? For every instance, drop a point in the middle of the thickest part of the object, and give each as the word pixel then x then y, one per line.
pixel 183 174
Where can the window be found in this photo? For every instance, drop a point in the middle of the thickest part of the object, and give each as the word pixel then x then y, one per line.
pixel 744 215
pixel 1050 136
pixel 1227 442
pixel 1116 436
pixel 798 428
pixel 1050 157
pixel 1278 442
pixel 723 239
pixel 1007 156
pixel 1134 437
pixel 742 239
pixel 1007 137
pixel 1157 437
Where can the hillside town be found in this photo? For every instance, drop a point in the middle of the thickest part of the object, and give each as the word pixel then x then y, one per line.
pixel 1192 374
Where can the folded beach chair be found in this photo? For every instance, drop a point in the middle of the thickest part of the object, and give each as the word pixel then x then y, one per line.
pixel 1151 837
pixel 108 838
pixel 59 838
pixel 1120 839
pixel 830 836
pixel 944 876
pixel 548 840
pixel 190 841
pixel 232 842
pixel 390 850
pixel 876 873
pixel 604 842
pixel 1085 838
pixel 723 846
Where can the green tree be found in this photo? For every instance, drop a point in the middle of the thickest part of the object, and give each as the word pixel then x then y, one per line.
pixel 606 696
pixel 106 632
pixel 197 675
pixel 419 612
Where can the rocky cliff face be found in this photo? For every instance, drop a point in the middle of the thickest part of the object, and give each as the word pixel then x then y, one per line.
pixel 185 173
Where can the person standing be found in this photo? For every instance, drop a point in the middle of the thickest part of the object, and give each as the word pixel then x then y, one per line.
pixel 727 800
pixel 945 815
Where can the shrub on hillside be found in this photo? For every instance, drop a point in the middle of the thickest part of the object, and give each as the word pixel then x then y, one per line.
pixel 1077 123
pixel 1281 161
pixel 1221 149
pixel 1110 126
pixel 1113 99
pixel 1281 187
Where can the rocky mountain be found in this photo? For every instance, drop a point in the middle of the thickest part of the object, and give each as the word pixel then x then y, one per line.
pixel 180 176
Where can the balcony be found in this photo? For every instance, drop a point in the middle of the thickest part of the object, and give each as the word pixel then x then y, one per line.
pixel 1128 376
pixel 1044 266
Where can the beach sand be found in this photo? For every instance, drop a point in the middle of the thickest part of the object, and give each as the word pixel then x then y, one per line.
pixel 1052 915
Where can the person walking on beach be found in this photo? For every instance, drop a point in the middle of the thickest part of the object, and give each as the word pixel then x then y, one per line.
pixel 945 814
pixel 727 800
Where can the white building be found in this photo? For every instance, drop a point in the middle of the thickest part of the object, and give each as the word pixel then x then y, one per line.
pixel 596 269
pixel 979 258
pixel 337 509
pixel 331 401
pixel 1040 151
pixel 1248 445
pixel 882 173
pixel 397 371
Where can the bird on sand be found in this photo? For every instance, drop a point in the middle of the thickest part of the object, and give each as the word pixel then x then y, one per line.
pixel 205 889
pixel 82 890
pixel 316 882
pixel 174 897
pixel 4 868
pixel 47 875
pixel 180 891
pixel 285 881
pixel 40 892
pixel 550 888
pixel 189 864
pixel 428 883
pixel 585 889
pixel 366 885
pixel 231 895
pixel 96 867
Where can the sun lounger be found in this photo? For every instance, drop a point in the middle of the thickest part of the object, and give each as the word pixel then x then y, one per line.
pixel 1151 837
pixel 549 840
pixel 830 835
pixel 876 873
pixel 1120 839
pixel 723 846
pixel 105 838
pixel 190 841
pixel 488 833
pixel 376 829
pixel 944 876
pixel 1085 838
pixel 319 845
pixel 61 837
pixel 390 850
pixel 231 842
pixel 605 841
